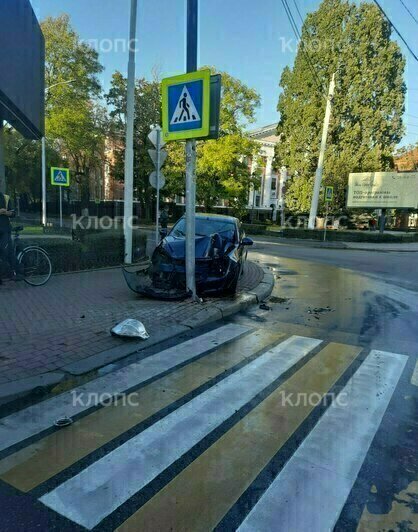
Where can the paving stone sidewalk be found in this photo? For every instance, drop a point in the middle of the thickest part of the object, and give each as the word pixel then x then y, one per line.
pixel 45 329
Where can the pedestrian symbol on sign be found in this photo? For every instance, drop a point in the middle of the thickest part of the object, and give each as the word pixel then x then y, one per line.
pixel 185 110
pixel 60 178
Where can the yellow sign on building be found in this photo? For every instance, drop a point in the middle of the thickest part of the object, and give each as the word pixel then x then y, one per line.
pixel 383 190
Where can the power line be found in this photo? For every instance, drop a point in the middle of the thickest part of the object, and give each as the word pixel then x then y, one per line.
pixel 297 9
pixel 396 30
pixel 306 54
pixel 409 11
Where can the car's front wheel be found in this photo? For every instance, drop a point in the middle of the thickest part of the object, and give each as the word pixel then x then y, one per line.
pixel 232 287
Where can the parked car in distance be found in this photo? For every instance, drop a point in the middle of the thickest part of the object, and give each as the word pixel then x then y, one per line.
pixel 220 255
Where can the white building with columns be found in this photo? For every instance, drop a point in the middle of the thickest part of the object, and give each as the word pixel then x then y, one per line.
pixel 269 192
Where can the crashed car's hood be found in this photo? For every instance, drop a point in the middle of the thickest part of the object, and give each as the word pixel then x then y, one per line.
pixel 176 247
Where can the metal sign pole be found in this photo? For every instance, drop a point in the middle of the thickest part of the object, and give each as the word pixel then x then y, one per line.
pixel 60 206
pixel 192 34
pixel 326 221
pixel 43 182
pixel 129 148
pixel 2 164
pixel 157 210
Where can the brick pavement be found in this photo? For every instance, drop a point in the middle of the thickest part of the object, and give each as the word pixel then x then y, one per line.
pixel 43 329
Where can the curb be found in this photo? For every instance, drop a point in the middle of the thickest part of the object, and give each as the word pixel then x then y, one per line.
pixel 39 384
pixel 350 246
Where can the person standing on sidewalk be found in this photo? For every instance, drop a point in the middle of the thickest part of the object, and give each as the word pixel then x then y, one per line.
pixel 6 247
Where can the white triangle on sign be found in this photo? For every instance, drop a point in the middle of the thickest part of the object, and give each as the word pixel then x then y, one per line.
pixel 185 111
pixel 60 178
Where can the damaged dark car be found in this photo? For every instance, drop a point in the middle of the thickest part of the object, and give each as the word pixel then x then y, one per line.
pixel 220 255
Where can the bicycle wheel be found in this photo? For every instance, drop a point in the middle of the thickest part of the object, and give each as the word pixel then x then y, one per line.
pixel 35 266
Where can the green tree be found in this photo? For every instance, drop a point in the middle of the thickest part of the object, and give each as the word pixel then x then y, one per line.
pixel 75 121
pixel 23 165
pixel 147 113
pixel 354 41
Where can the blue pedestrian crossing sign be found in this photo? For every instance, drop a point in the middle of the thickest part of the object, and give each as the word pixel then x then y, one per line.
pixel 60 177
pixel 186 106
pixel 329 194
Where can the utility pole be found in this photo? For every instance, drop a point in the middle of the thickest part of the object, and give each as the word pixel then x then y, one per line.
pixel 191 66
pixel 44 182
pixel 319 171
pixel 2 163
pixel 283 179
pixel 129 148
pixel 157 207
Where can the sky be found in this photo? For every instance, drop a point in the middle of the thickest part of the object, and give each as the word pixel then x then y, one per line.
pixel 250 39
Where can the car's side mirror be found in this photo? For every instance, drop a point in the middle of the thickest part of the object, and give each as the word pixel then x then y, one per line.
pixel 246 241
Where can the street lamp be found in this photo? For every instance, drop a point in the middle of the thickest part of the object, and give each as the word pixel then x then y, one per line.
pixel 44 157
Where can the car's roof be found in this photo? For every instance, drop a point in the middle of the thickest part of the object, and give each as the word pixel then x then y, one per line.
pixel 221 217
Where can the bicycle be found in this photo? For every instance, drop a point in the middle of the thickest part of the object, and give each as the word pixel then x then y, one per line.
pixel 32 262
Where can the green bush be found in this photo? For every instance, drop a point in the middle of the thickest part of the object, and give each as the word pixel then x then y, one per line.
pixel 65 254
pixel 348 236
pixel 94 250
pixel 254 229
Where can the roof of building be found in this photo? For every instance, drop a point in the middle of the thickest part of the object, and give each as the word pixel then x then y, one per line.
pixel 407 161
pixel 265 134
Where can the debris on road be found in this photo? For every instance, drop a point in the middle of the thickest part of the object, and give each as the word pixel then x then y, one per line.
pixel 275 299
pixel 130 329
pixel 263 306
pixel 319 310
pixel 63 421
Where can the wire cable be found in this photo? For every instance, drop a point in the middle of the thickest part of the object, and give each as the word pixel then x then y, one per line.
pixel 306 54
pixel 297 9
pixel 409 11
pixel 396 30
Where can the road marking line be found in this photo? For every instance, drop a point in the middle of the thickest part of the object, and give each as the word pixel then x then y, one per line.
pixel 102 487
pixel 414 378
pixel 311 490
pixel 32 465
pixel 200 496
pixel 37 418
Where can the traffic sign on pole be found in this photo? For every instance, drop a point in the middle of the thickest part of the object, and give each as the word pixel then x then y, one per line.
pixel 154 155
pixel 153 137
pixel 329 194
pixel 157 179
pixel 153 178
pixel 60 177
pixel 186 106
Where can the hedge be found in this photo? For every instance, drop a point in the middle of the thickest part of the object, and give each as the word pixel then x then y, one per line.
pixel 95 250
pixel 347 236
pixel 255 229
pixel 65 254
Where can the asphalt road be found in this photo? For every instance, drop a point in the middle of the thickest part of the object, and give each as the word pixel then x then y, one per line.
pixel 227 431
pixel 366 299
pixel 400 268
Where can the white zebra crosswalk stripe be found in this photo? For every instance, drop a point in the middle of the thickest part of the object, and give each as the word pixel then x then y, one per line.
pixel 311 490
pixel 102 487
pixel 41 416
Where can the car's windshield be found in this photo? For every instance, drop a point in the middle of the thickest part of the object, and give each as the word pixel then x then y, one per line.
pixel 207 227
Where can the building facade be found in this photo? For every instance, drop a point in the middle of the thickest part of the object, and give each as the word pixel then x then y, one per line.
pixel 268 195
